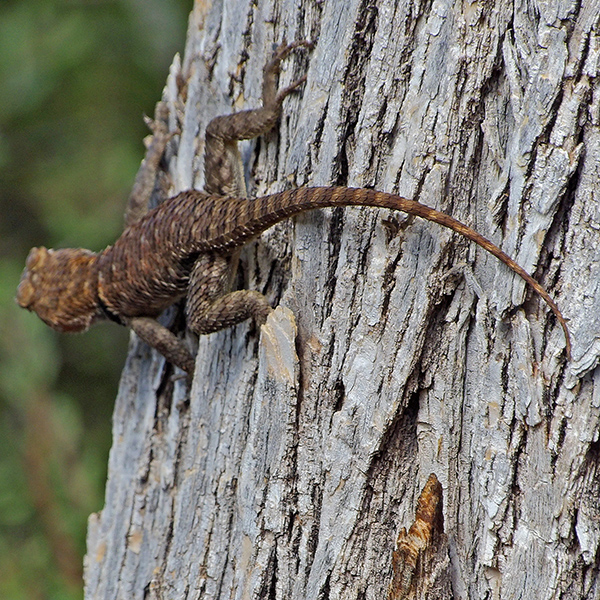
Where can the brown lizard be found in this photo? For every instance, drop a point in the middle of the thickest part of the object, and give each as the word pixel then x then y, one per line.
pixel 188 246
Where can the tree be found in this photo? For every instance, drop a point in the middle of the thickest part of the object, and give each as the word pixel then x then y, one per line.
pixel 398 350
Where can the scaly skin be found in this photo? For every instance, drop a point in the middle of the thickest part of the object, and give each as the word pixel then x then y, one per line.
pixel 188 245
pixel 149 266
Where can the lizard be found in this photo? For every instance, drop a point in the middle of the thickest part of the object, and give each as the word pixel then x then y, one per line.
pixel 188 246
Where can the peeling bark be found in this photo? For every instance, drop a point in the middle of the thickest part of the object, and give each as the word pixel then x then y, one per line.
pixel 398 350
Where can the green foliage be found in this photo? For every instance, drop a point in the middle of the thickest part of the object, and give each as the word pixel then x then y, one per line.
pixel 76 78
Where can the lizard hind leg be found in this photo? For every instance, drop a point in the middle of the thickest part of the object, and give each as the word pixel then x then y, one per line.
pixel 210 307
pixel 222 168
pixel 271 97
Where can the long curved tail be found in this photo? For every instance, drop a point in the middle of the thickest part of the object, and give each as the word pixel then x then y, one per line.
pixel 234 221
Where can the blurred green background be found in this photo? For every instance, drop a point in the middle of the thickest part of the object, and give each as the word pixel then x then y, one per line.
pixel 75 79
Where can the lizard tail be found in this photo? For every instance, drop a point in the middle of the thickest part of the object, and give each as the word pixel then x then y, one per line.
pixel 241 219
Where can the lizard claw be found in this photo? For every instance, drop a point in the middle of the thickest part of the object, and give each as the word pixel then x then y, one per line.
pixel 286 91
pixel 284 49
pixel 272 68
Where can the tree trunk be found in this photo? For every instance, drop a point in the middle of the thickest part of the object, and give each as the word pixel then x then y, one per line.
pixel 399 350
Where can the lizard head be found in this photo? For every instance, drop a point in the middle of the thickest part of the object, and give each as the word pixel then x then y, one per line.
pixel 60 287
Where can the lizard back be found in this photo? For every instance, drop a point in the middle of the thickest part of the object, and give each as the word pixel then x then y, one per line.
pixel 148 267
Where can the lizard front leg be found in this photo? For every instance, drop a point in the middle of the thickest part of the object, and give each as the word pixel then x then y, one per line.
pixel 167 343
pixel 145 180
pixel 223 173
pixel 210 308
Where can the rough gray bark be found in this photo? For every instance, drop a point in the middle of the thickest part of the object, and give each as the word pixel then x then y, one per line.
pixel 399 349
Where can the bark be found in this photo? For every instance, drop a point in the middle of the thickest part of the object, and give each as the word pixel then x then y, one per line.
pixel 292 466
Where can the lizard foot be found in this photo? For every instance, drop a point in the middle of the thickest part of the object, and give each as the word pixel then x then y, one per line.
pixel 271 70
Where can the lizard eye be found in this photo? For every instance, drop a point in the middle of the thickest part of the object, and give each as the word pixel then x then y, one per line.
pixel 25 293
pixel 36 257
